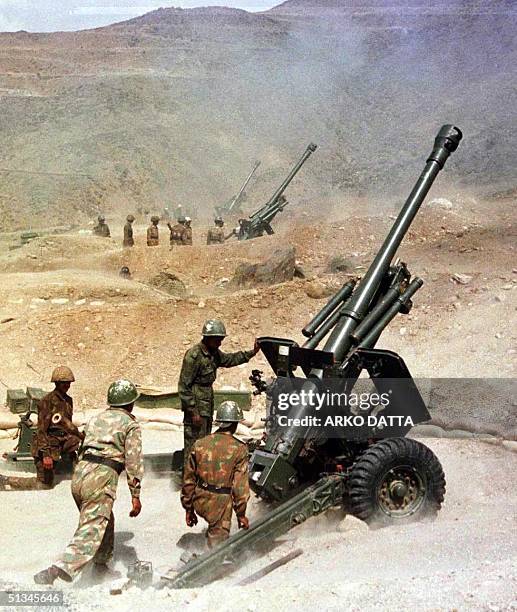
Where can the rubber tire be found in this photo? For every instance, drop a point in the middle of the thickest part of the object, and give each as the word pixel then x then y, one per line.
pixel 382 456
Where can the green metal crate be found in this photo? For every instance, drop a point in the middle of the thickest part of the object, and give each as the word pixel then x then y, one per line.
pixel 17 401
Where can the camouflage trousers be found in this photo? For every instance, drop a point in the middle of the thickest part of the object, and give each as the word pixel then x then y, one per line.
pixel 94 490
pixel 216 509
pixel 192 432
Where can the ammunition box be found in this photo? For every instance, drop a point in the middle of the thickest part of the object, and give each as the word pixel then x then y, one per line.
pixel 17 401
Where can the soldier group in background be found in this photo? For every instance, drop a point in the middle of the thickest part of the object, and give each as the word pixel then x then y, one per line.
pixel 180 232
pixel 102 229
pixel 112 444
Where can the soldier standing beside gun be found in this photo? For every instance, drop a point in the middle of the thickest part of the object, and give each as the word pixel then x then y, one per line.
pixel 153 235
pixel 215 234
pixel 113 443
pixel 56 436
pixel 198 374
pixel 128 232
pixel 216 478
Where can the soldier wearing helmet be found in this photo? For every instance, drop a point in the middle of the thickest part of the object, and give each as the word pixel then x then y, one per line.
pixel 187 232
pixel 112 444
pixel 215 234
pixel 56 438
pixel 176 231
pixel 101 229
pixel 153 236
pixel 125 273
pixel 198 374
pixel 128 232
pixel 216 477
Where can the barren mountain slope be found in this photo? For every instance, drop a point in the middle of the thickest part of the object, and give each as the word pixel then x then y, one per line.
pixel 176 105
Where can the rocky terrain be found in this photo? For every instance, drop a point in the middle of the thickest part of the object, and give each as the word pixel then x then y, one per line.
pixel 175 106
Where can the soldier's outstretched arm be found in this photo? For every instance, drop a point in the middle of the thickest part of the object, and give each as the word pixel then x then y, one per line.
pixel 134 460
pixel 229 360
pixel 240 485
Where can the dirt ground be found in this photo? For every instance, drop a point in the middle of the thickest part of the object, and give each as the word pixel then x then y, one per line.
pixel 464 560
pixel 63 301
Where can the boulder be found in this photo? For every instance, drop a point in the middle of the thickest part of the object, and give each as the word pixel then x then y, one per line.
pixel 339 264
pixel 278 268
pixel 168 282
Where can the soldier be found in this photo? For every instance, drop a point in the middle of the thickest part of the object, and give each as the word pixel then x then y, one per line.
pixel 102 229
pixel 113 443
pixel 187 232
pixel 125 273
pixel 176 232
pixel 153 238
pixel 56 436
pixel 198 373
pixel 216 478
pixel 216 234
pixel 128 232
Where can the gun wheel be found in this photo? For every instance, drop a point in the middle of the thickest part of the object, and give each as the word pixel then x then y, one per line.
pixel 396 478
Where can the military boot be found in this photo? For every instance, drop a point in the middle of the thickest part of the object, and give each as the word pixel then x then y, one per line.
pixel 49 575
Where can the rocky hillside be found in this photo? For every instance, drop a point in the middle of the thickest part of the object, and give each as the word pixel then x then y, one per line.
pixel 176 105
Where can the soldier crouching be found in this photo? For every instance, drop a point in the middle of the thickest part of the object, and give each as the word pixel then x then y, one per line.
pixel 56 438
pixel 216 478
pixel 112 444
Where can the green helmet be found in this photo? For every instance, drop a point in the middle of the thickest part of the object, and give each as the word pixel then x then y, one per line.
pixel 181 219
pixel 214 327
pixel 122 392
pixel 229 412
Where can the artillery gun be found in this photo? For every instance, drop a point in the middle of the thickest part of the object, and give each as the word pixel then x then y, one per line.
pixel 259 223
pixel 234 204
pixel 378 475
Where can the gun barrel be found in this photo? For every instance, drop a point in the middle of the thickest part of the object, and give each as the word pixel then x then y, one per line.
pixel 274 198
pixel 367 323
pixel 376 330
pixel 340 340
pixel 244 185
pixel 343 294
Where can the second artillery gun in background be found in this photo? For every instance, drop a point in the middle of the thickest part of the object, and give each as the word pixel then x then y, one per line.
pixel 234 204
pixel 378 475
pixel 259 223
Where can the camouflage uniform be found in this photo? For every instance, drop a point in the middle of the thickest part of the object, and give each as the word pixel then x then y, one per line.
pixel 198 374
pixel 215 235
pixel 152 235
pixel 218 461
pixel 186 239
pixel 129 241
pixel 176 231
pixel 102 229
pixel 57 440
pixel 113 435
